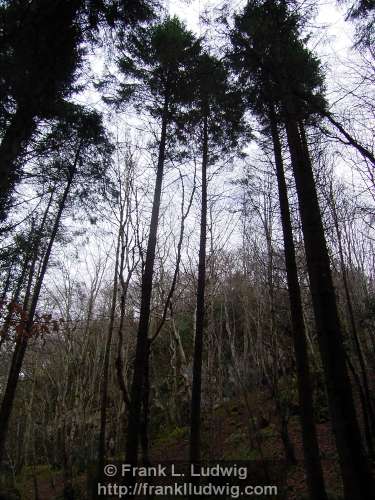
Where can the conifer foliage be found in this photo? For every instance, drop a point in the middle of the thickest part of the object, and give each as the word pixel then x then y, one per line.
pixel 183 274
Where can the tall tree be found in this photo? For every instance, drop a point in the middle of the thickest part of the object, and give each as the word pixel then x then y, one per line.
pixel 41 51
pixel 362 13
pixel 268 35
pixel 309 434
pixel 263 102
pixel 81 152
pixel 218 118
pixel 160 58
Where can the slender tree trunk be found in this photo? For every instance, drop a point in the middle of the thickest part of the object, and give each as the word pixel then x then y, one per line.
pixel 167 305
pixel 365 413
pixel 195 417
pixel 314 471
pixel 146 408
pixel 16 137
pixel 119 363
pixel 136 395
pixel 68 490
pixel 182 390
pixel 107 355
pixel 36 252
pixel 290 455
pixel 357 479
pixel 29 440
pixel 19 352
pixel 6 286
pixel 368 413
pixel 361 149
pixel 15 297
pixel 35 484
pixel 126 251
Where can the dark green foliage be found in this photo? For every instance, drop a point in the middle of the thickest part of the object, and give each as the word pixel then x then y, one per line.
pixel 158 61
pixel 42 47
pixel 79 141
pixel 79 128
pixel 221 102
pixel 362 13
pixel 120 13
pixel 41 52
pixel 271 59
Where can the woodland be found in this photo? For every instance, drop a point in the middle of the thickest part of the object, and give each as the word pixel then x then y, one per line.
pixel 187 231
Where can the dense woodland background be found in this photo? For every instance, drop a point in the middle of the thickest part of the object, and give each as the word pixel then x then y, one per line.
pixel 187 242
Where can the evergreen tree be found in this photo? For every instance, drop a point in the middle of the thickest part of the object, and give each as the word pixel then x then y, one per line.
pixel 160 59
pixel 218 117
pixel 40 53
pixel 314 471
pixel 268 46
pixel 80 155
pixel 362 12
pixel 263 98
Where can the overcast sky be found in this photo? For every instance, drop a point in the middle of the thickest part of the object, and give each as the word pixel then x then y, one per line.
pixel 332 44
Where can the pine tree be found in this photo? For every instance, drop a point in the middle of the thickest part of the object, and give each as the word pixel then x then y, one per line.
pixel 362 12
pixel 268 45
pixel 262 96
pixel 40 54
pixel 81 152
pixel 160 60
pixel 217 116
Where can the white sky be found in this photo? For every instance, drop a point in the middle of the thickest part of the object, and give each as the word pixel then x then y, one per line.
pixel 332 44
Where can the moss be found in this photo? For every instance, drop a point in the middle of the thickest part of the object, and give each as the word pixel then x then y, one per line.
pixel 243 453
pixel 268 432
pixel 25 481
pixel 41 471
pixel 170 435
pixel 237 447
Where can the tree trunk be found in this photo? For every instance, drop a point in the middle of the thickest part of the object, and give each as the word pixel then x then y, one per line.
pixel 36 252
pixel 368 414
pixel 119 363
pixel 6 285
pixel 167 305
pixel 15 297
pixel 357 479
pixel 195 417
pixel 16 137
pixel 136 395
pixel 361 149
pixel 364 406
pixel 181 393
pixel 21 345
pixel 107 354
pixel 290 455
pixel 314 471
pixel 146 408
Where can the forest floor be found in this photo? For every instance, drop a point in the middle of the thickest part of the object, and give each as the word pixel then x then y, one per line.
pixel 228 434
